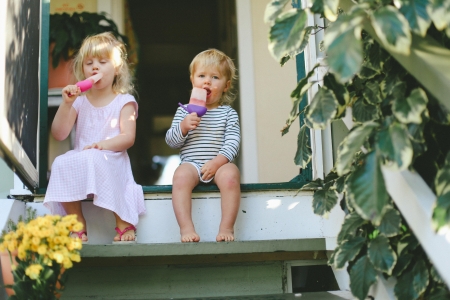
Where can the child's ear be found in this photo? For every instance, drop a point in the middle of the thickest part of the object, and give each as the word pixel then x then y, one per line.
pixel 227 86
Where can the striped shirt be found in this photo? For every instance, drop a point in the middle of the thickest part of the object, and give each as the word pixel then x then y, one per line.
pixel 217 133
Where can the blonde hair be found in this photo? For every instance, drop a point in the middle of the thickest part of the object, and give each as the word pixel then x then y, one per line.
pixel 219 60
pixel 106 45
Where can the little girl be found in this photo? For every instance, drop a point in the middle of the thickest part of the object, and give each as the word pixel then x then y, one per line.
pixel 105 118
pixel 208 146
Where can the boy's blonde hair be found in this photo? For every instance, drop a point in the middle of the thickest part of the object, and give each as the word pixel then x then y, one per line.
pixel 218 59
pixel 106 45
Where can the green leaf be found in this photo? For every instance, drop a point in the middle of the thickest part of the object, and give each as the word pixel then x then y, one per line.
pixel 372 92
pixel 322 108
pixel 274 9
pixel 313 185
pixel 440 13
pixel 381 254
pixel 441 213
pixel 341 93
pixel 348 250
pixel 363 112
pixel 362 276
pixel 415 11
pixel 351 144
pixel 395 145
pixel 367 190
pixel 403 262
pixel 410 110
pixel 407 244
pixel 404 289
pixel 303 154
pixel 390 224
pixel 340 184
pixel 345 53
pixel 421 276
pixel 392 29
pixel 324 201
pixel 439 293
pixel 435 275
pixel 327 7
pixel 288 33
pixel 442 180
pixel 352 222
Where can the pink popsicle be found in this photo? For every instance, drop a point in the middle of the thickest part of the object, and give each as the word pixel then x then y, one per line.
pixel 86 84
pixel 198 97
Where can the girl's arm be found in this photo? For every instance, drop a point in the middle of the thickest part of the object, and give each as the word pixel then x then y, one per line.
pixel 127 135
pixel 66 115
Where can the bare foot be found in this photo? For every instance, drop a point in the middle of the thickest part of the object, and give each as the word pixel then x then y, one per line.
pixel 81 235
pixel 128 235
pixel 225 235
pixel 188 236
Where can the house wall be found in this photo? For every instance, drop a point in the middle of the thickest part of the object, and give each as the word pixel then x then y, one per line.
pixel 268 90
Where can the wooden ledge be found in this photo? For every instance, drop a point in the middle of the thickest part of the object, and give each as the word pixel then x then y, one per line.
pixel 203 248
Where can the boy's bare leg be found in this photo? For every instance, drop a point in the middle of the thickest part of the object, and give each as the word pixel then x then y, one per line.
pixel 74 208
pixel 184 181
pixel 228 180
pixel 130 235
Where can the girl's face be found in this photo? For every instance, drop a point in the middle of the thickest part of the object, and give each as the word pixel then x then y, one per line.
pixel 210 79
pixel 105 65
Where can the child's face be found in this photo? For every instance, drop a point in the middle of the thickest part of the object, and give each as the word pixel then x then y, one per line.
pixel 210 79
pixel 94 65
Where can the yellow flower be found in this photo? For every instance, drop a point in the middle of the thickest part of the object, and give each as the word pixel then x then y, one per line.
pixel 67 263
pixel 75 257
pixel 33 271
pixel 36 240
pixel 77 227
pixel 58 256
pixel 42 249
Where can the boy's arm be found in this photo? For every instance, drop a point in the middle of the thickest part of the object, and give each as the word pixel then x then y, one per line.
pixel 174 136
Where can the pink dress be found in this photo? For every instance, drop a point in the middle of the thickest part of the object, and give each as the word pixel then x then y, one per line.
pixel 102 175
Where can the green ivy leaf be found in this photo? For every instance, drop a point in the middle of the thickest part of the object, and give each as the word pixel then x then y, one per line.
pixel 410 110
pixel 322 108
pixel 435 275
pixel 442 180
pixel 390 224
pixel 351 223
pixel 440 13
pixel 363 112
pixel 340 184
pixel 351 144
pixel 324 201
pixel 404 289
pixel 327 7
pixel 362 276
pixel 395 145
pixel 303 154
pixel 403 262
pixel 381 254
pixel 407 244
pixel 441 213
pixel 392 29
pixel 288 33
pixel 439 293
pixel 372 92
pixel 348 250
pixel 313 185
pixel 367 190
pixel 415 11
pixel 274 9
pixel 341 93
pixel 421 276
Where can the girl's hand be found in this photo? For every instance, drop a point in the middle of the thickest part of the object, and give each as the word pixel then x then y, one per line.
pixel 70 93
pixel 190 122
pixel 94 146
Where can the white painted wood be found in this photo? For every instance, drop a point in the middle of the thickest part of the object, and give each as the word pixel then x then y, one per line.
pixel 249 153
pixel 416 200
pixel 19 187
pixel 268 215
pixel 115 11
pixel 383 289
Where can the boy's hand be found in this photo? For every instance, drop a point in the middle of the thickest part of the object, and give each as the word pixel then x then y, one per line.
pixel 70 93
pixel 209 169
pixel 190 122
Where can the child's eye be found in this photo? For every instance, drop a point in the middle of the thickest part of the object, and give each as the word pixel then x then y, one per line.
pixel 216 77
pixel 201 76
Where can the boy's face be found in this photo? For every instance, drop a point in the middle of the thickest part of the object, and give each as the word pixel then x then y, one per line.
pixel 210 79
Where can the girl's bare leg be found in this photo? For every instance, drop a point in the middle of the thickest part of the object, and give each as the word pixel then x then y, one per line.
pixel 74 208
pixel 184 181
pixel 228 180
pixel 121 224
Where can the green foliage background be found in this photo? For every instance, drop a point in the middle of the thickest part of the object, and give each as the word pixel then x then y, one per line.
pixel 399 124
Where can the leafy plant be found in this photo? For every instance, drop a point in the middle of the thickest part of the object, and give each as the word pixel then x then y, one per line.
pixel 399 124
pixel 69 31
pixel 43 250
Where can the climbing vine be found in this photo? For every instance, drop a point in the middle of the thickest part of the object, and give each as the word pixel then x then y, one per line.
pixel 399 124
